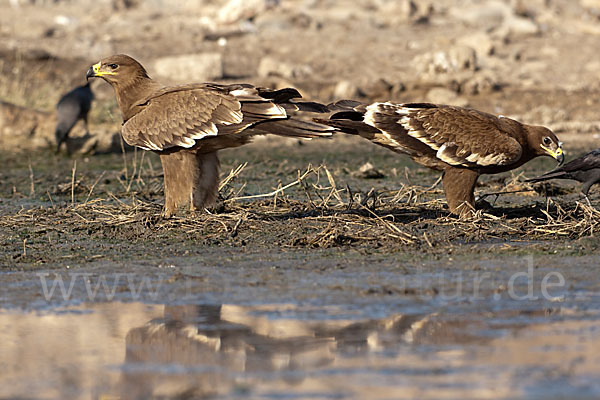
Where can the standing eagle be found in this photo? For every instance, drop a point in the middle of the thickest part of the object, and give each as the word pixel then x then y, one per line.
pixel 584 169
pixel 461 142
pixel 186 125
pixel 72 107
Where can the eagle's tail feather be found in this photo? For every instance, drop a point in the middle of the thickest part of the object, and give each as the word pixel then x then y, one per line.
pixel 297 128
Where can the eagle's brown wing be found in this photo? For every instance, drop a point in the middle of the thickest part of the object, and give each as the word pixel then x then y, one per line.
pixel 179 116
pixel 458 136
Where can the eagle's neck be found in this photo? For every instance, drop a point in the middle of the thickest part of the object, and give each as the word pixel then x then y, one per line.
pixel 132 93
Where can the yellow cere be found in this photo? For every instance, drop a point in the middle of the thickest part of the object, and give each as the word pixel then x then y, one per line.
pixel 553 153
pixel 97 72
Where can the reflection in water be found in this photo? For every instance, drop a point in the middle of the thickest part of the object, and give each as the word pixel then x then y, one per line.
pixel 135 351
pixel 228 347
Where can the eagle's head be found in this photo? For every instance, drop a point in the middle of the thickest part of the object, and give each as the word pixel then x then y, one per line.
pixel 117 70
pixel 544 142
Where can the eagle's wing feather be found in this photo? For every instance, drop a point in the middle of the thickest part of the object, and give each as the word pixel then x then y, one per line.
pixel 458 136
pixel 180 117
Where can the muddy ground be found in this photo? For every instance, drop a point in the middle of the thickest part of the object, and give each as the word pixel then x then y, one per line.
pixel 59 210
pixel 323 267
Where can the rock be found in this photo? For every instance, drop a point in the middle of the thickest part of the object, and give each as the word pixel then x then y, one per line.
pixel 190 67
pixel 368 171
pixel 593 4
pixel 401 9
pixel 119 5
pixel 488 15
pixel 441 95
pixel 379 88
pixel 462 57
pixel 345 90
pixel 285 21
pixel 494 15
pixel 481 42
pixel 517 27
pixel 270 67
pixel 482 82
pixel 24 129
pixel 100 140
pixel 398 11
pixel 455 59
pixel 239 10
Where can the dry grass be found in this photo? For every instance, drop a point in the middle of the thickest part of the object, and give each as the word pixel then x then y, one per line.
pixel 311 211
pixel 20 84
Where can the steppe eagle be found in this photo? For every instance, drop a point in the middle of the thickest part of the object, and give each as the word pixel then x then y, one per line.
pixel 463 143
pixel 187 124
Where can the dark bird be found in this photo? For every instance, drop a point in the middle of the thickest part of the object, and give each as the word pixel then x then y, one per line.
pixel 585 169
pixel 186 125
pixel 72 107
pixel 461 142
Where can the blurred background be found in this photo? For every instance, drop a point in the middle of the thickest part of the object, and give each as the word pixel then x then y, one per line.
pixel 534 60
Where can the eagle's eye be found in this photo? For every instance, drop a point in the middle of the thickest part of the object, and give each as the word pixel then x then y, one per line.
pixel 547 141
pixel 112 66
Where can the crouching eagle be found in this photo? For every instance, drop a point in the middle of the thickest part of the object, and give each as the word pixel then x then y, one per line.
pixel 461 142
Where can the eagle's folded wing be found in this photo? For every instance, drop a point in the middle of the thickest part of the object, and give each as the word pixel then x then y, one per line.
pixel 459 136
pixel 180 118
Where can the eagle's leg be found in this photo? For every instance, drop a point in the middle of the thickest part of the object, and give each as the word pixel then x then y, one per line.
pixel 459 186
pixel 206 185
pixel 191 179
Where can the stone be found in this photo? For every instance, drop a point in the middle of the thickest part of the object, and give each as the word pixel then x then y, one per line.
pixel 488 14
pixel 239 10
pixel 190 67
pixel 376 89
pixel 271 67
pixel 440 95
pixel 401 9
pixel 593 4
pixel 517 27
pixel 24 129
pixel 455 59
pixel 482 82
pixel 345 90
pixel 368 171
pixel 481 42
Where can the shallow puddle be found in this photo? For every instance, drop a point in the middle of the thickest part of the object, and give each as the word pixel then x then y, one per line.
pixel 286 351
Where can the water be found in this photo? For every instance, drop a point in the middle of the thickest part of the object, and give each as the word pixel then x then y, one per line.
pixel 303 326
pixel 289 351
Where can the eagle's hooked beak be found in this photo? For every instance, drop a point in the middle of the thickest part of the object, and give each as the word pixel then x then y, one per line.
pixel 558 154
pixel 95 71
pixel 89 74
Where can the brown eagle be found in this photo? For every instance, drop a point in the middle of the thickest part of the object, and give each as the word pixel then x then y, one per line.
pixel 461 142
pixel 585 169
pixel 186 125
